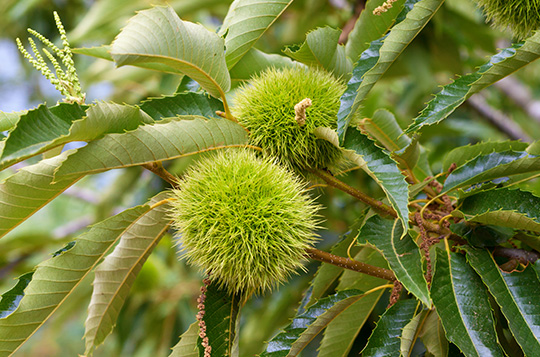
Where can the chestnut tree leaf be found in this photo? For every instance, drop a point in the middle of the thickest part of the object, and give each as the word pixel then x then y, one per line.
pixel 158 39
pixel 254 62
pixel 187 346
pixel 9 120
pixel 245 23
pixel 188 103
pixel 165 140
pixel 462 303
pixel 55 279
pixel 116 274
pixel 514 293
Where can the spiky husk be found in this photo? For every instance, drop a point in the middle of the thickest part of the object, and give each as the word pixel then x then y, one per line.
pixel 265 106
pixel 244 219
pixel 521 16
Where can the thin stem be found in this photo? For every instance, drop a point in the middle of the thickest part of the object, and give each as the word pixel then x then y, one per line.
pixel 350 264
pixel 378 206
pixel 158 169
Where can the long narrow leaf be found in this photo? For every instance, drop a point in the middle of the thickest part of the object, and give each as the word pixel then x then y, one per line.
pixel 56 278
pixel 402 254
pixel 220 318
pixel 116 274
pixel 25 192
pixel 499 66
pixel 386 337
pixel 463 305
pixel 432 335
pixel 503 207
pixel 514 292
pixel 310 323
pixel 164 140
pixel 491 166
pixel 187 346
pixel 158 39
pixel 366 74
pixel 182 104
pixel 246 22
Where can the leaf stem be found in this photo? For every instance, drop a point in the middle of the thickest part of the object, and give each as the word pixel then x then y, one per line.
pixel 378 206
pixel 350 264
pixel 158 169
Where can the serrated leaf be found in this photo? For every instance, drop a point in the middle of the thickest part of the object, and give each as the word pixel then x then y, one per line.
pixel 164 140
pixel 38 128
pixel 384 127
pixel 10 299
pixel 32 187
pixel 432 335
pixel 386 337
pixel 220 317
pixel 400 251
pixel 158 39
pixel 463 154
pixel 245 23
pixel 411 332
pixel 383 169
pixel 254 62
pixel 491 166
pixel 116 274
pixel 452 95
pixel 57 277
pixel 182 104
pixel 479 235
pixel 503 207
pixel 309 323
pixel 9 120
pixel 514 293
pixel 341 333
pixel 462 303
pixel 370 27
pixel 73 125
pixel 374 62
pixel 187 346
pixel 322 50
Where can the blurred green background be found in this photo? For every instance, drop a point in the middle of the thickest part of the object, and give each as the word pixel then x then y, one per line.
pixel 162 303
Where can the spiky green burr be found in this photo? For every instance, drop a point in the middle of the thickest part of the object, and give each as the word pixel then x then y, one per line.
pixel 520 16
pixel 266 107
pixel 244 219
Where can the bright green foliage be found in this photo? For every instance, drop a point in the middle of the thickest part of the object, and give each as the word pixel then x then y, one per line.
pixel 244 220
pixel 521 16
pixel 266 108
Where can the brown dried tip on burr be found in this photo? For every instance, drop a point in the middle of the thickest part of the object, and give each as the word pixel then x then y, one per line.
pixel 384 7
pixel 300 111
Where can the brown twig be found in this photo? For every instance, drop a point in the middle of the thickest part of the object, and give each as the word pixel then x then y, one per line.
pixel 158 169
pixel 523 256
pixel 350 264
pixel 378 206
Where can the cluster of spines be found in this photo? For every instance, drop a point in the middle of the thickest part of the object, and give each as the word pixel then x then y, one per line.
pixel 521 16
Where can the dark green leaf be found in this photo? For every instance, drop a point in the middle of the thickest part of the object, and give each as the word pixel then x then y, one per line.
pixel 370 27
pixel 503 207
pixel 383 169
pixel 454 94
pixel 376 60
pixel 514 293
pixel 462 303
pixel 491 166
pixel 400 251
pixel 12 298
pixel 384 127
pixel 322 50
pixel 386 337
pixel 220 317
pixel 479 235
pixel 37 128
pixel 164 140
pixel 341 333
pixel 463 154
pixel 182 104
pixel 307 324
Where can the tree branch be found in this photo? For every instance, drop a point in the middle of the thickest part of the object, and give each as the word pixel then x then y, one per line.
pixel 347 263
pixel 378 206
pixel 523 256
